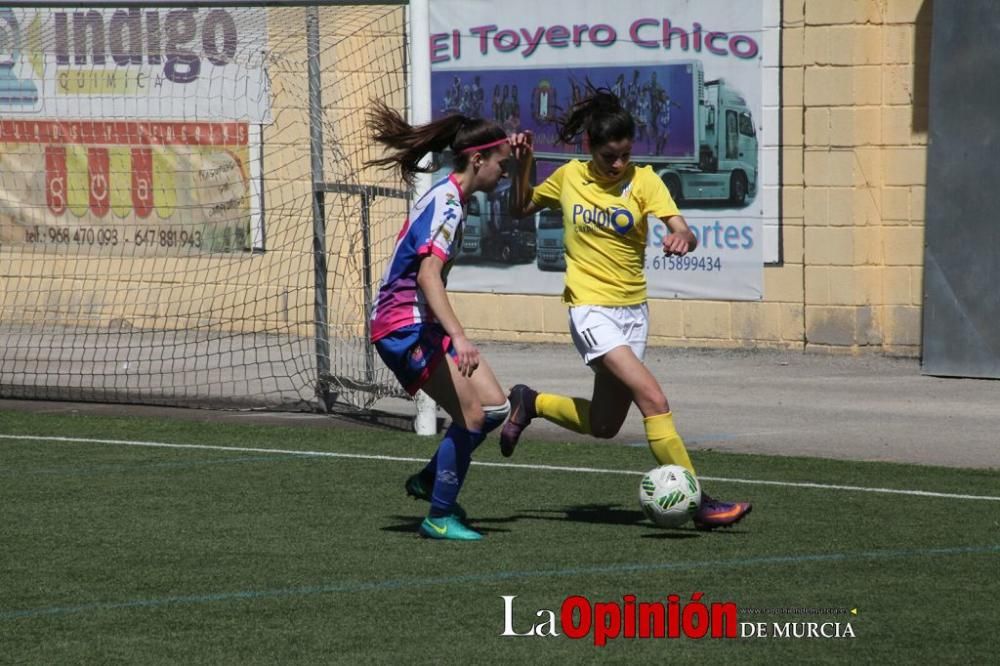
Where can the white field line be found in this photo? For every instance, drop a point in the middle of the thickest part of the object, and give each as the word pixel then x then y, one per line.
pixel 547 468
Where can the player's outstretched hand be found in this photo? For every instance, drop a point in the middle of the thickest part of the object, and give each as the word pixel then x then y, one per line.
pixel 467 355
pixel 521 144
pixel 678 243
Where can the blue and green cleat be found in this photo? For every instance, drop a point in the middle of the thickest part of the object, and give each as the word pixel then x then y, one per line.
pixel 417 489
pixel 447 527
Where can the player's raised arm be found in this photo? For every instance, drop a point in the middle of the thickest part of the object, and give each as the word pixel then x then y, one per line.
pixel 681 239
pixel 521 147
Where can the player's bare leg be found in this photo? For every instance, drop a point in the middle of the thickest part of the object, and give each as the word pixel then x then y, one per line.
pixel 664 441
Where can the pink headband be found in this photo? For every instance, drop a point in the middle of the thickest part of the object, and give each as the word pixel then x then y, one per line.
pixel 494 144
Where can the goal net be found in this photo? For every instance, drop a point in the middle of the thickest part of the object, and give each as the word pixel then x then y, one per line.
pixel 184 216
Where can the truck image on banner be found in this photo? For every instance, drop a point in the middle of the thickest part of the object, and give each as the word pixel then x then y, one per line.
pixel 490 233
pixel 698 135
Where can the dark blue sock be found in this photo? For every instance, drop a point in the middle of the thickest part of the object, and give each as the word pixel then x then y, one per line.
pixel 429 471
pixel 453 458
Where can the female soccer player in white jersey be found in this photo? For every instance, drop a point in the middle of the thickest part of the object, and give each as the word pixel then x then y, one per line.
pixel 413 325
pixel 605 202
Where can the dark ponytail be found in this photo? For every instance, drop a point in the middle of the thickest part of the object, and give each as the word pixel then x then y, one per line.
pixel 601 115
pixel 408 144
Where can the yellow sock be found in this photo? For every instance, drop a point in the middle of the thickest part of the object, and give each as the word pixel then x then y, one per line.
pixel 570 413
pixel 666 445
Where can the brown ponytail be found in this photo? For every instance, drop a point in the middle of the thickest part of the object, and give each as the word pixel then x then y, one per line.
pixel 601 115
pixel 409 144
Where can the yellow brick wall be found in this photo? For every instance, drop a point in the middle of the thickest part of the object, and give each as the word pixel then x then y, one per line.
pixel 864 65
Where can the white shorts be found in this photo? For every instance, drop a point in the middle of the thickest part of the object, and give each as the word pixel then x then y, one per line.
pixel 597 329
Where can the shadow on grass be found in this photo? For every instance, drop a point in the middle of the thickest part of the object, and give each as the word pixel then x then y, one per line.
pixel 610 514
pixel 603 514
pixel 409 525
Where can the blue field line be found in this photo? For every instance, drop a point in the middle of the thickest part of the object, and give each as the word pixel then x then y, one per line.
pixel 524 466
pixel 350 587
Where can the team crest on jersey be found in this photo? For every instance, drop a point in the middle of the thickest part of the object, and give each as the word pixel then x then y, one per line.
pixel 450 200
pixel 417 357
pixel 626 188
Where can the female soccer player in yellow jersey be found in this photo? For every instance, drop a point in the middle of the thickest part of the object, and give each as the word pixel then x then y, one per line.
pixel 605 202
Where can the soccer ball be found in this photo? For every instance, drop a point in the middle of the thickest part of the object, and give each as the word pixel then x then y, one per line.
pixel 669 495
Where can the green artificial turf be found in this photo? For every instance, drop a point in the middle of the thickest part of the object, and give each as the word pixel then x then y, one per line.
pixel 144 554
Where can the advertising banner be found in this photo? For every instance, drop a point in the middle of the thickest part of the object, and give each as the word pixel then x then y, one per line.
pixel 690 73
pixel 125 187
pixel 131 130
pixel 193 64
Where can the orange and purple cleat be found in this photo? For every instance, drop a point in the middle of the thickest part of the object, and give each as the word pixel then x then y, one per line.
pixel 714 513
pixel 522 410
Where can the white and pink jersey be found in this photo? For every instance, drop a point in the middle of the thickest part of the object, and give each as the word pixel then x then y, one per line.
pixel 434 227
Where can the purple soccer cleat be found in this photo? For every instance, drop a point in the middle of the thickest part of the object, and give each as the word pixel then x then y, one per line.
pixel 522 410
pixel 714 513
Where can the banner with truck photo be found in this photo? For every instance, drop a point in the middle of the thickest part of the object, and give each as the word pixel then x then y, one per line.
pixel 131 129
pixel 690 74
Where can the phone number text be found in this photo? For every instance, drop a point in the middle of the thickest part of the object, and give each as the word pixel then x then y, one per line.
pixel 686 263
pixel 109 236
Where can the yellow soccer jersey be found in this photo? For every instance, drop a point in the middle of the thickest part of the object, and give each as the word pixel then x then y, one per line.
pixel 604 229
